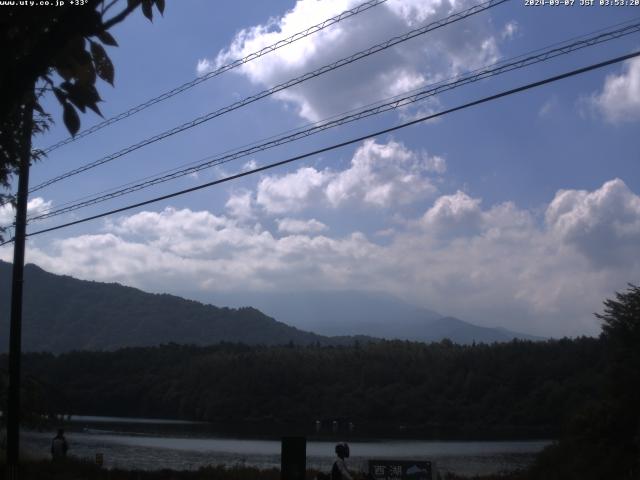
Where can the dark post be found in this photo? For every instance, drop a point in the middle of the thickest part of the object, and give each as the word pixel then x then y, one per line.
pixel 293 460
pixel 15 337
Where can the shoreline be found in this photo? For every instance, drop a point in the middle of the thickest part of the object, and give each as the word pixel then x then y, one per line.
pixel 274 430
pixel 155 453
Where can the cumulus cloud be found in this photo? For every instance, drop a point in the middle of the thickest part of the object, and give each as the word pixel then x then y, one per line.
pixel 446 51
pixel 604 224
pixel 291 192
pixel 619 100
pixel 292 225
pixel 379 175
pixel 35 206
pixel 384 175
pixel 498 266
pixel 240 205
pixel 459 215
pixel 455 213
pixel 155 250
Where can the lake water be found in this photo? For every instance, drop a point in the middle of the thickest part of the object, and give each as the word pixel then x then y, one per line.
pixel 136 448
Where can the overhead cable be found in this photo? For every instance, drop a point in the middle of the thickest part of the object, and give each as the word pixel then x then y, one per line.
pixel 265 93
pixel 397 102
pixel 490 98
pixel 220 70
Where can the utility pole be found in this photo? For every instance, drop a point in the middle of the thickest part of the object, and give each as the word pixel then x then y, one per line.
pixel 15 334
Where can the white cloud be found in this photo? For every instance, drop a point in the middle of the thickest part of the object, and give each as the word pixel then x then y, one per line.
pixel 291 192
pixel 436 164
pixel 493 265
pixel 619 100
pixel 35 206
pixel 384 175
pixel 453 214
pixel 510 30
pixel 250 165
pixel 459 215
pixel 386 232
pixel 203 66
pixel 604 224
pixel 446 51
pixel 240 205
pixel 379 175
pixel 292 225
pixel 165 250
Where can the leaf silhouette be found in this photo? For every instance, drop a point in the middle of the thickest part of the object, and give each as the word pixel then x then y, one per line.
pixel 147 10
pixel 71 119
pixel 104 67
pixel 106 38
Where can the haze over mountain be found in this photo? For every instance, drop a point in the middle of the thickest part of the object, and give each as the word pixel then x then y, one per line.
pixel 364 313
pixel 62 313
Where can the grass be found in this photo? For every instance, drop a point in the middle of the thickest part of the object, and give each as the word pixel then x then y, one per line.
pixel 82 470
pixel 73 469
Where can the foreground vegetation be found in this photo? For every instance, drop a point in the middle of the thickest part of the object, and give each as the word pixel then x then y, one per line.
pixel 586 389
pixel 519 389
pixel 79 470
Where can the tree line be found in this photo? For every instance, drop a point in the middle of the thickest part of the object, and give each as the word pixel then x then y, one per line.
pixel 519 388
pixel 584 392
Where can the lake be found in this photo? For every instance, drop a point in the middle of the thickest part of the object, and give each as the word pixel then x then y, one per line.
pixel 129 444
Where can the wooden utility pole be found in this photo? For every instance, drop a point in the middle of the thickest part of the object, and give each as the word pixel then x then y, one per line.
pixel 15 334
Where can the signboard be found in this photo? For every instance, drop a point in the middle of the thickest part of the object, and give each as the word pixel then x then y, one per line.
pixel 293 458
pixel 400 470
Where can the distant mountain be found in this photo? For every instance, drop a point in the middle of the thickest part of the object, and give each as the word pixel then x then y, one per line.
pixel 365 313
pixel 62 313
pixel 463 332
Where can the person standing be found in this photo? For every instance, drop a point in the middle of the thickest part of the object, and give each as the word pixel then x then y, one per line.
pixel 339 470
pixel 59 446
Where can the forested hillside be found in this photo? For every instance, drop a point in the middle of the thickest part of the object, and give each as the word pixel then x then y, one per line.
pixel 513 389
pixel 62 313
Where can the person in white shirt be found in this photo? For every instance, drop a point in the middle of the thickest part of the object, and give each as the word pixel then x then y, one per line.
pixel 339 470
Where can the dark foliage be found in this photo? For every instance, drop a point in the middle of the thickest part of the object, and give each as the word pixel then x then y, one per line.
pixel 53 50
pixel 602 439
pixel 402 388
pixel 79 470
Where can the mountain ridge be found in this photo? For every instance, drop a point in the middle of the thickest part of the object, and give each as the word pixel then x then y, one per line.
pixel 107 316
pixel 352 312
pixel 62 313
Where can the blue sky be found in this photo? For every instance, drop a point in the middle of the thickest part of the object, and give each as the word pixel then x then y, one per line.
pixel 522 213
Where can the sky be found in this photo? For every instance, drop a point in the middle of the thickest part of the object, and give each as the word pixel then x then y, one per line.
pixel 522 213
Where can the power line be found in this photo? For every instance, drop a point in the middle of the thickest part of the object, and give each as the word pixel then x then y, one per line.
pixel 564 43
pixel 229 66
pixel 397 102
pixel 265 93
pixel 490 98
